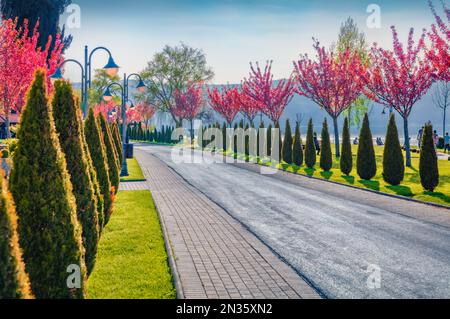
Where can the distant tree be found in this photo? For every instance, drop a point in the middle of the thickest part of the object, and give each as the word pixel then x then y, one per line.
pixel 326 157
pixel 429 169
pixel 333 81
pixel 346 161
pixel 439 51
pixel 225 101
pixel 174 69
pixel 441 99
pixel 287 144
pixel 298 147
pixel 310 150
pixel 398 79
pixel 366 161
pixel 393 161
pixel 100 82
pixel 272 98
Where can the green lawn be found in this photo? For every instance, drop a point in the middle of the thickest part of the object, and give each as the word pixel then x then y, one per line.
pixel 132 260
pixel 134 170
pixel 411 186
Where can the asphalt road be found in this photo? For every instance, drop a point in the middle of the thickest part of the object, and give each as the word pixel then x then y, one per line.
pixel 347 243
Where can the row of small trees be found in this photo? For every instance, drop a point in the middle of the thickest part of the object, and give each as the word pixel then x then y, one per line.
pixel 293 152
pixel 137 133
pixel 63 181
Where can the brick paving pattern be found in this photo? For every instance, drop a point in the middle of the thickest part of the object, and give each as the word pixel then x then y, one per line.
pixel 215 256
pixel 133 186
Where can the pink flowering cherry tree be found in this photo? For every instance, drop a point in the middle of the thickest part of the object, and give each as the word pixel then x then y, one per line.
pixel 270 97
pixel 249 107
pixel 225 102
pixel 188 104
pixel 398 79
pixel 20 56
pixel 332 81
pixel 439 52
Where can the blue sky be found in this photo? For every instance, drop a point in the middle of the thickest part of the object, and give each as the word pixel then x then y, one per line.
pixel 230 32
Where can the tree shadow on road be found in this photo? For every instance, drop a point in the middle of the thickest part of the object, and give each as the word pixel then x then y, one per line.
pixel 373 185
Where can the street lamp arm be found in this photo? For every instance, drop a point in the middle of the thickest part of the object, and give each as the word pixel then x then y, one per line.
pixel 72 61
pixel 97 49
pixel 115 84
pixel 136 75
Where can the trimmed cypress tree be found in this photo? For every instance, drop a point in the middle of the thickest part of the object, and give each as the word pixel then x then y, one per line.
pixel 287 144
pixel 346 161
pixel 258 140
pixel 49 231
pixel 393 161
pixel 310 150
pixel 366 161
pixel 297 156
pixel 326 157
pixel 111 155
pixel 225 137
pixel 429 170
pixel 95 184
pixel 235 146
pixel 14 281
pixel 269 141
pixel 98 154
pixel 67 114
pixel 247 143
pixel 118 142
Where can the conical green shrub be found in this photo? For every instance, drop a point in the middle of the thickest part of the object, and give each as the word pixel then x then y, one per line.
pixel 49 231
pixel 297 156
pixel 225 138
pixel 366 161
pixel 310 150
pixel 247 143
pixel 269 141
pixel 97 150
pixel 111 153
pixel 346 161
pixel 258 140
pixel 278 148
pixel 287 144
pixel 14 281
pixel 67 114
pixel 118 142
pixel 96 185
pixel 393 161
pixel 429 170
pixel 326 157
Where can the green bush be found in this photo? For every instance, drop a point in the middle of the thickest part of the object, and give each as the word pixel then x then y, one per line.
pixel 11 145
pixel 14 281
pixel 366 161
pixel 310 150
pixel 98 154
pixel 393 161
pixel 67 114
pixel 5 153
pixel 346 161
pixel 429 170
pixel 259 141
pixel 297 155
pixel 287 144
pixel 49 231
pixel 326 158
pixel 111 153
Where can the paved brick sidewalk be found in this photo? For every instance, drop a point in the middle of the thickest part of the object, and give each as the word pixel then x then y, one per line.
pixel 133 186
pixel 215 256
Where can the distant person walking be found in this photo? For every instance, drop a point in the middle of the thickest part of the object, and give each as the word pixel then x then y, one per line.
pixel 317 144
pixel 419 137
pixel 436 139
pixel 446 143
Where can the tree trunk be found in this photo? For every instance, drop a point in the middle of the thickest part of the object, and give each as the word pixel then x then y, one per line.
pixel 407 142
pixel 443 126
pixel 336 137
pixel 7 126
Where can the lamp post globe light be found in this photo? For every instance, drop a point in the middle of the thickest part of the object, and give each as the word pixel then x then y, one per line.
pixel 111 69
pixel 124 89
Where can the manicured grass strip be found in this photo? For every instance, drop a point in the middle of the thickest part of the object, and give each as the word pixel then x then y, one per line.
pixel 134 170
pixel 132 262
